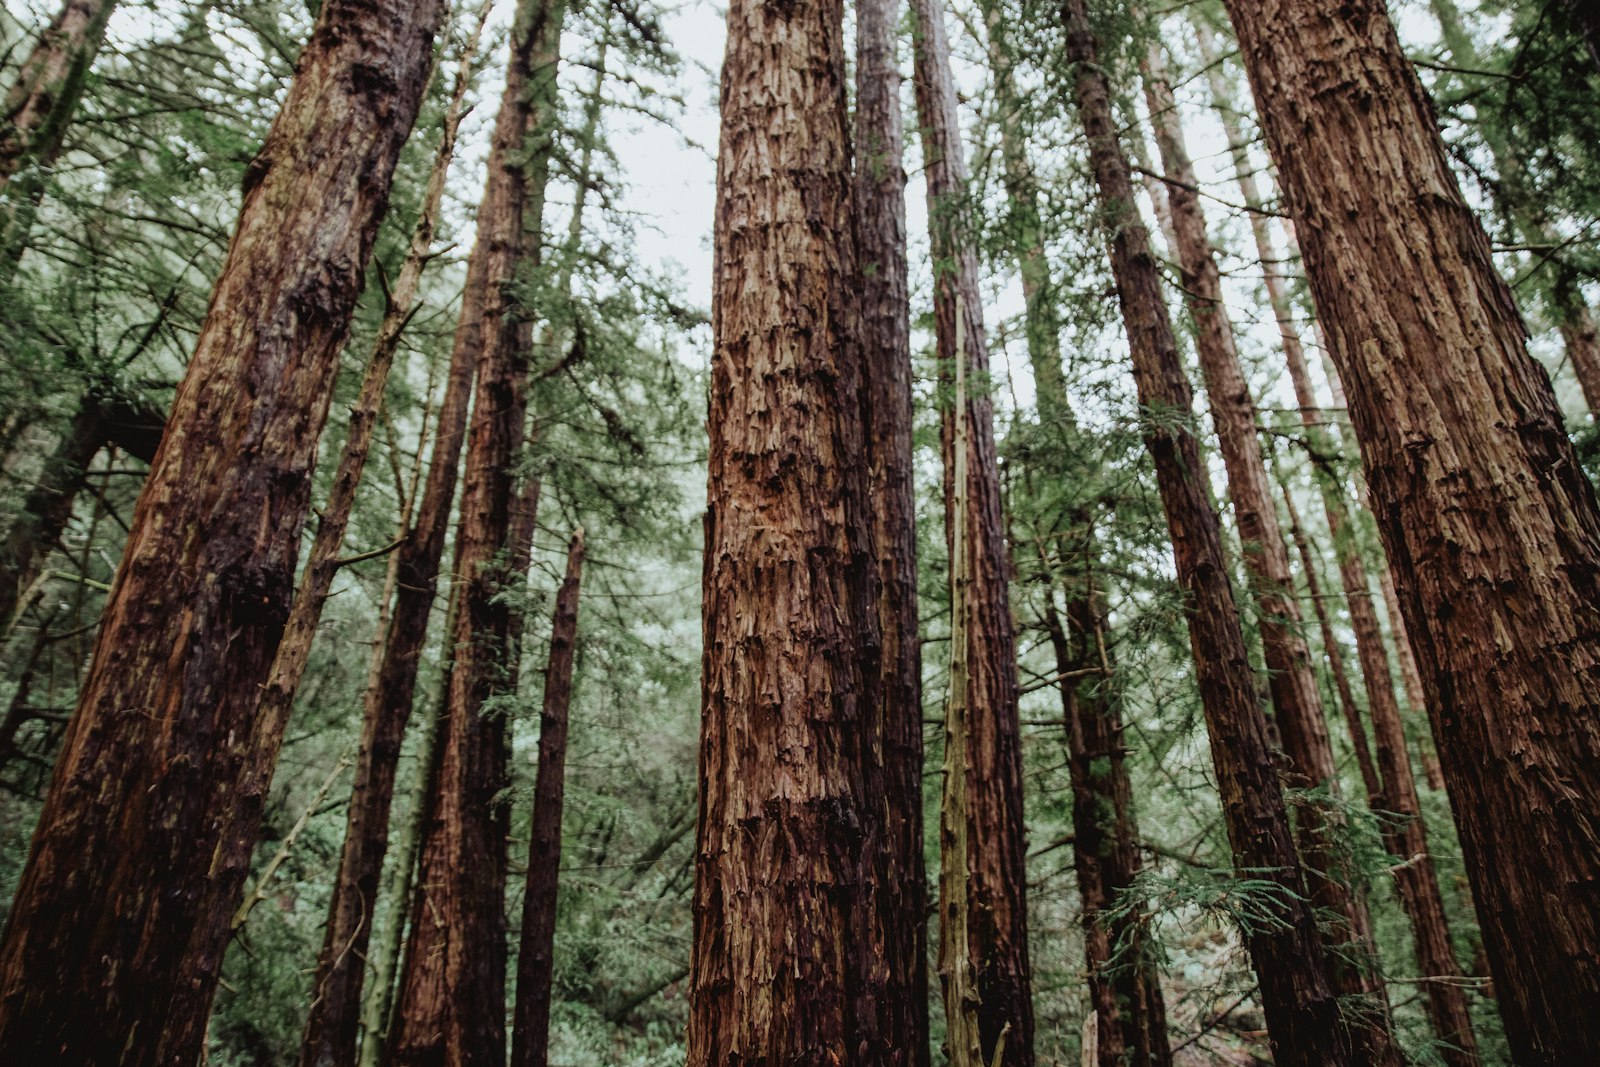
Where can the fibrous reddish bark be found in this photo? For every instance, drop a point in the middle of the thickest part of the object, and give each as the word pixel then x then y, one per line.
pixel 114 945
pixel 787 964
pixel 530 1035
pixel 1302 1011
pixel 1487 518
pixel 885 333
pixel 997 921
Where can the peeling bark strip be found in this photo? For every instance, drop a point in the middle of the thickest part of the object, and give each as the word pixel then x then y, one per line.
pixel 1301 1009
pixel 452 1001
pixel 1299 714
pixel 997 919
pixel 788 958
pixel 113 947
pixel 880 231
pixel 1486 516
pixel 530 1037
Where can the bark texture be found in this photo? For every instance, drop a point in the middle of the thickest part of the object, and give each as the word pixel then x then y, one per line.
pixel 109 955
pixel 530 1041
pixel 787 964
pixel 997 919
pixel 885 333
pixel 1489 523
pixel 1301 1008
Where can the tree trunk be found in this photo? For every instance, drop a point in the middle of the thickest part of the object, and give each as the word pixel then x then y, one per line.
pixel 1487 518
pixel 107 955
pixel 997 920
pixel 530 1041
pixel 1301 722
pixel 1301 1009
pixel 331 1027
pixel 880 232
pixel 788 958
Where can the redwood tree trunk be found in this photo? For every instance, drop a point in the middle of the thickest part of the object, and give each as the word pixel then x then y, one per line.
pixel 1487 518
pixel 530 1037
pixel 788 958
pixel 997 914
pixel 1301 722
pixel 1301 1008
pixel 880 232
pixel 109 955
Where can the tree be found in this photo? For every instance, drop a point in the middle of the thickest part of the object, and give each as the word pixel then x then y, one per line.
pixel 1489 522
pixel 107 955
pixel 787 962
pixel 997 916
pixel 1302 1011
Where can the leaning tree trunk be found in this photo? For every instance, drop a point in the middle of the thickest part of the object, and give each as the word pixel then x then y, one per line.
pixel 108 956
pixel 453 985
pixel 880 232
pixel 1301 1008
pixel 1301 721
pixel 997 919
pixel 530 1036
pixel 788 957
pixel 1486 515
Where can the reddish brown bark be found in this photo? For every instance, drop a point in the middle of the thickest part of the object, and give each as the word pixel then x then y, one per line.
pixel 1301 1008
pixel 885 333
pixel 787 965
pixel 1487 518
pixel 997 921
pixel 114 944
pixel 530 1036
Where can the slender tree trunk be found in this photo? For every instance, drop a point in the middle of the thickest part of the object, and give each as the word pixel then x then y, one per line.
pixel 107 956
pixel 331 1028
pixel 1487 518
pixel 788 959
pixel 1301 1008
pixel 997 921
pixel 1300 718
pixel 880 232
pixel 530 1042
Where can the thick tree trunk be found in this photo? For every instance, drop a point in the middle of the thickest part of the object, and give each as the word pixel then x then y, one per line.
pixel 1486 516
pixel 332 1022
pixel 788 959
pixel 880 232
pixel 997 919
pixel 108 956
pixel 1301 1008
pixel 530 1036
pixel 453 986
pixel 1301 722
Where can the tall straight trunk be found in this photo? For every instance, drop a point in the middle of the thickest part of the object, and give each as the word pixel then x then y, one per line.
pixel 788 964
pixel 530 1036
pixel 452 1001
pixel 1301 1008
pixel 331 1028
pixel 997 914
pixel 880 233
pixel 38 109
pixel 1487 518
pixel 108 955
pixel 1301 721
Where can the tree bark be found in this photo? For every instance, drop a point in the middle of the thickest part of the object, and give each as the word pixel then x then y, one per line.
pixel 453 985
pixel 997 920
pixel 885 333
pixel 1487 518
pixel 1301 1008
pixel 788 959
pixel 530 1036
pixel 1301 721
pixel 108 955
